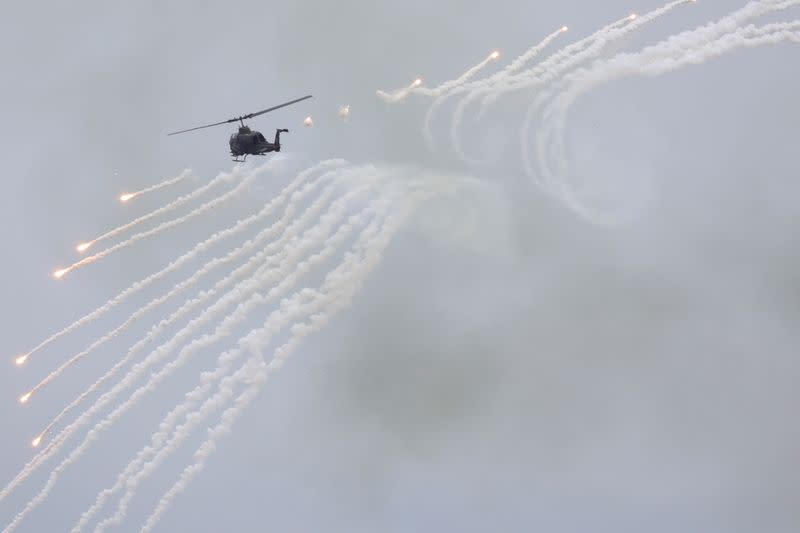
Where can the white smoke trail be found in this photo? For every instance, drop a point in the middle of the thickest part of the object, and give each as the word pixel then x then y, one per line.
pixel 182 200
pixel 237 253
pixel 518 63
pixel 350 274
pixel 399 94
pixel 692 47
pixel 241 186
pixel 525 58
pixel 205 296
pixel 55 445
pixel 276 320
pixel 448 86
pixel 128 196
pixel 201 247
pixel 483 87
pixel 555 67
pixel 284 275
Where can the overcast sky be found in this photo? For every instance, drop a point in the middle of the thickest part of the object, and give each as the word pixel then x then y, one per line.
pixel 509 366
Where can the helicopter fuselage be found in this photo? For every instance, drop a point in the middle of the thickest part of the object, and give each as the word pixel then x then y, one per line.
pixel 251 142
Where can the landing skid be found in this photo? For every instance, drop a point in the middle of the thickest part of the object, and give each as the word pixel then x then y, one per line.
pixel 242 160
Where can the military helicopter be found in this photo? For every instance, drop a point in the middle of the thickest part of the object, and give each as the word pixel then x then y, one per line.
pixel 250 142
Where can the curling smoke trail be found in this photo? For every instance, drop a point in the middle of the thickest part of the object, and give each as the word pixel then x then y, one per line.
pixel 691 47
pixel 128 196
pixel 276 320
pixel 201 247
pixel 285 275
pixel 238 253
pixel 483 86
pixel 221 178
pixel 350 275
pixel 557 66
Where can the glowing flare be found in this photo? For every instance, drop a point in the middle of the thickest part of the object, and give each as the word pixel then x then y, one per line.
pixel 58 274
pixel 417 82
pixel 21 359
pixel 36 442
pixel 82 247
pixel 564 28
pixel 494 55
pixel 632 16
pixel 24 398
pixel 308 121
pixel 125 197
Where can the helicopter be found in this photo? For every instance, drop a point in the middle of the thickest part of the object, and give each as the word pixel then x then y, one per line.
pixel 250 142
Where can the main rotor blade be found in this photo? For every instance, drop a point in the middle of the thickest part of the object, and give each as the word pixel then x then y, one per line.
pixel 251 115
pixel 206 126
pixel 243 117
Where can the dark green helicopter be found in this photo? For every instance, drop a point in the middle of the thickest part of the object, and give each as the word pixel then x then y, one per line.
pixel 250 142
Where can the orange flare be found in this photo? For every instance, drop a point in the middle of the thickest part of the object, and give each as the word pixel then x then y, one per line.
pixel 24 398
pixel 417 82
pixel 564 28
pixel 82 247
pixel 21 359
pixel 35 442
pixel 58 274
pixel 632 16
pixel 125 197
pixel 494 55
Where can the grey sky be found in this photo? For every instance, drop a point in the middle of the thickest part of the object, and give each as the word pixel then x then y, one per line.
pixel 509 367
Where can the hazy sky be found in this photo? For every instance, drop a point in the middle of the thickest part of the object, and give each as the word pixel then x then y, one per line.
pixel 509 366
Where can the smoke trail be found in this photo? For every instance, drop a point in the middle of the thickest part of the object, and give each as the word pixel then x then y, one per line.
pixel 205 296
pixel 54 446
pixel 518 63
pixel 243 184
pixel 461 80
pixel 350 274
pixel 128 196
pixel 232 296
pixel 239 252
pixel 526 57
pixel 399 94
pixel 556 66
pixel 187 257
pixel 276 320
pixel 483 87
pixel 286 275
pixel 692 47
pixel 221 178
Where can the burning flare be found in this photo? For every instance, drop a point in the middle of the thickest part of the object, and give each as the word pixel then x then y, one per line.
pixel 25 397
pixel 58 274
pixel 21 359
pixel 125 197
pixel 82 247
pixel 36 442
